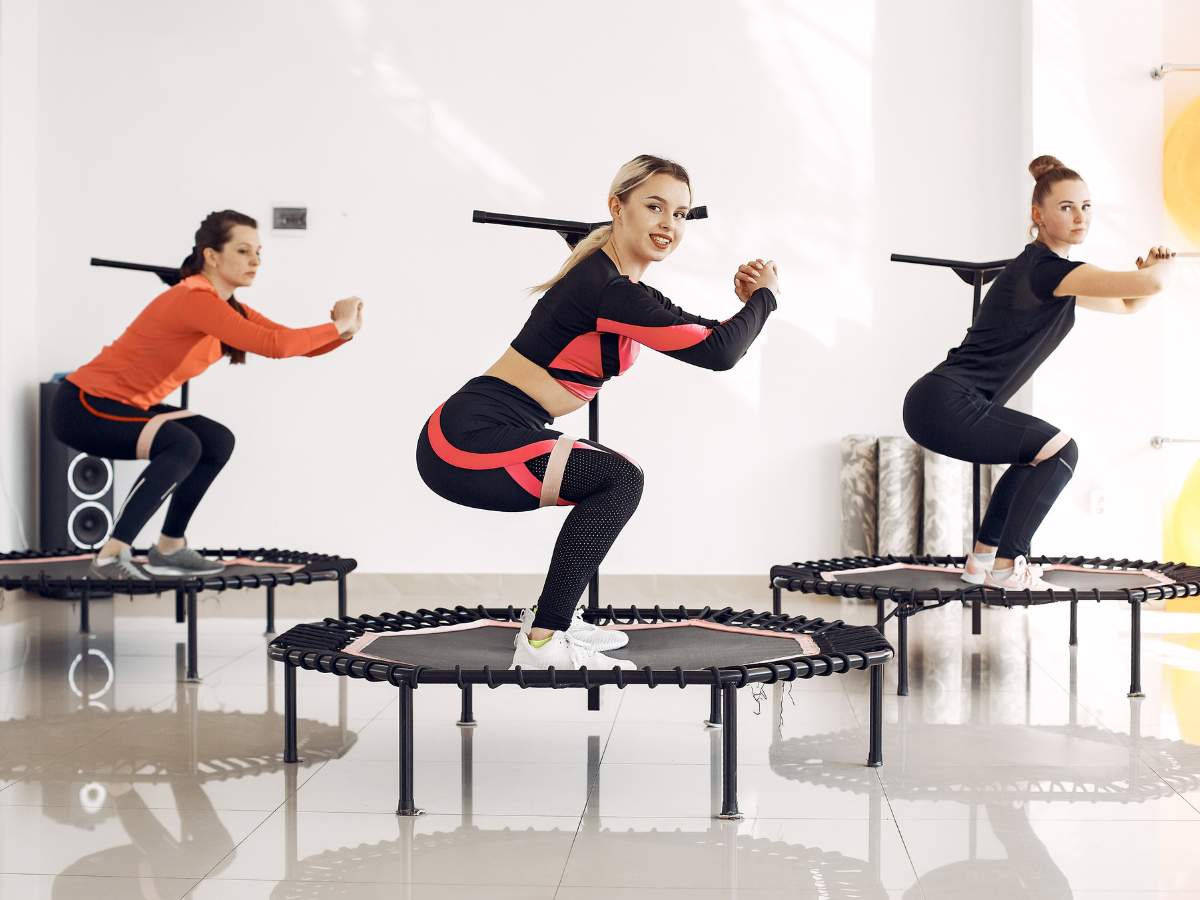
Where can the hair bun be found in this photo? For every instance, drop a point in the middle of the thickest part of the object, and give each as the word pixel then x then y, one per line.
pixel 1044 164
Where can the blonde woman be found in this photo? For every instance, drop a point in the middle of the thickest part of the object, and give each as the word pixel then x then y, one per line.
pixel 958 408
pixel 490 445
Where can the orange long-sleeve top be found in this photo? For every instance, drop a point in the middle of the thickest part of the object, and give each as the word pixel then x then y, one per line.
pixel 179 335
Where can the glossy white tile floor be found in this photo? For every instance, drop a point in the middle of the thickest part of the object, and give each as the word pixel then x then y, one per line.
pixel 1015 768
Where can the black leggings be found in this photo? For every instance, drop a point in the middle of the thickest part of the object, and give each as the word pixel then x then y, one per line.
pixel 948 418
pixel 185 454
pixel 488 447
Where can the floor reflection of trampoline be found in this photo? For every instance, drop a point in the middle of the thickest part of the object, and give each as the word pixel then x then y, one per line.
pixel 64 574
pixel 734 860
pixel 913 584
pixel 999 770
pixel 723 649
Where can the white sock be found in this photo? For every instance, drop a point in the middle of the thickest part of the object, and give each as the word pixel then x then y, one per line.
pixel 986 558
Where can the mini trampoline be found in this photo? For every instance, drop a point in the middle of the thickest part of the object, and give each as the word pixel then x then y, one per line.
pixel 64 574
pixel 724 649
pixel 917 583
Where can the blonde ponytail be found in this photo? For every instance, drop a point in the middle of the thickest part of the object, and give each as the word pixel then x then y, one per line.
pixel 629 176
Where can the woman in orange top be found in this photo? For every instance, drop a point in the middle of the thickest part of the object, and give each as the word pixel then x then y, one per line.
pixel 111 406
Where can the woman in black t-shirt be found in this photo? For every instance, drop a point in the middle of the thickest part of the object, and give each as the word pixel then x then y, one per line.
pixel 958 408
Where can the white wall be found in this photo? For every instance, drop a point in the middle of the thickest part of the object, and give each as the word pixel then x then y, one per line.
pixel 826 141
pixel 1116 381
pixel 19 295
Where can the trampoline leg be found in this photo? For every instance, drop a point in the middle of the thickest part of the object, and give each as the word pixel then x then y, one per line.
pixel 902 655
pixel 880 616
pixel 192 673
pixel 976 617
pixel 289 714
pixel 467 719
pixel 729 805
pixel 776 601
pixel 341 596
pixel 406 807
pixel 1135 649
pixel 85 618
pixel 875 752
pixel 1073 640
pixel 270 609
pixel 714 708
pixel 179 606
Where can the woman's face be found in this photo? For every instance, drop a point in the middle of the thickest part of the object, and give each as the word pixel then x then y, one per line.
pixel 238 261
pixel 1065 214
pixel 651 222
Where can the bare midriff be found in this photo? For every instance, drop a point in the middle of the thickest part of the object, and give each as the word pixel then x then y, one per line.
pixel 532 379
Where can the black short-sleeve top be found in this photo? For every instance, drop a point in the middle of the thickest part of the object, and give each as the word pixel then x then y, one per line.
pixel 1019 325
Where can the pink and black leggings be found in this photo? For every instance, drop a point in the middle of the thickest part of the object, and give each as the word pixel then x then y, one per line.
pixel 488 447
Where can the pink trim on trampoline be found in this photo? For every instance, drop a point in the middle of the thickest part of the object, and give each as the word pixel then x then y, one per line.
pixel 1155 578
pixel 359 647
pixel 464 459
pixel 80 557
pixel 45 559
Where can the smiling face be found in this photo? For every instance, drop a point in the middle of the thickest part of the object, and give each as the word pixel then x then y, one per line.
pixel 649 223
pixel 237 262
pixel 1065 214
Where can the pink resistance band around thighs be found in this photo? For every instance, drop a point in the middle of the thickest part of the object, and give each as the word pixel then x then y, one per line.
pixel 513 461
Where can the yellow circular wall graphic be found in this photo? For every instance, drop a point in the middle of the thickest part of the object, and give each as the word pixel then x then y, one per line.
pixel 1181 171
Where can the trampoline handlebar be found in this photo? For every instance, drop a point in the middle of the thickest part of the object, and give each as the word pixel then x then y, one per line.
pixel 168 275
pixel 950 263
pixel 567 226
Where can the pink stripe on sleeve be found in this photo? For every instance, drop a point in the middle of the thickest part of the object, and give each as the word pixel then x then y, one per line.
pixel 661 337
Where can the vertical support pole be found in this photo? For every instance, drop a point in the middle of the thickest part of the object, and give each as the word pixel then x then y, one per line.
pixel 192 673
pixel 341 583
pixel 1073 640
pixel 270 609
pixel 85 615
pixel 776 600
pixel 593 601
pixel 729 804
pixel 179 614
pixel 714 707
pixel 875 751
pixel 902 657
pixel 289 714
pixel 880 615
pixel 976 518
pixel 406 807
pixel 467 719
pixel 1135 649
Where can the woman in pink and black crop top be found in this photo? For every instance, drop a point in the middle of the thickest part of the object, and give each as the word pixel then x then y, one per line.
pixel 489 446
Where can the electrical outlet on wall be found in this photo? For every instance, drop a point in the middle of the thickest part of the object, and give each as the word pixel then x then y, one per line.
pixel 291 217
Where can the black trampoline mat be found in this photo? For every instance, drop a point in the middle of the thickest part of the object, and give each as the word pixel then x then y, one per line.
pixel 665 646
pixel 949 580
pixel 77 567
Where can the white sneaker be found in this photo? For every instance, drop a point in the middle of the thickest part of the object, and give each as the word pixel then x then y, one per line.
pixel 1021 577
pixel 602 639
pixel 976 570
pixel 563 652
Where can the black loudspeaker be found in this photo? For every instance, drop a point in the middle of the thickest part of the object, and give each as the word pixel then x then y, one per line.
pixel 76 496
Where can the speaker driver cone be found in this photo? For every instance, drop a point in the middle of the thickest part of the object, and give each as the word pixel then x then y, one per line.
pixel 90 477
pixel 89 525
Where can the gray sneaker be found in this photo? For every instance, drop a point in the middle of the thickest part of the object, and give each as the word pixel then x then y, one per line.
pixel 184 561
pixel 117 568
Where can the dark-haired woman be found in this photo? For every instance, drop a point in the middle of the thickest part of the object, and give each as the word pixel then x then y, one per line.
pixel 112 406
pixel 958 409
pixel 490 445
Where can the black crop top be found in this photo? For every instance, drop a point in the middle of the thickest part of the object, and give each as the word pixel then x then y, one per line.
pixel 589 326
pixel 1020 323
